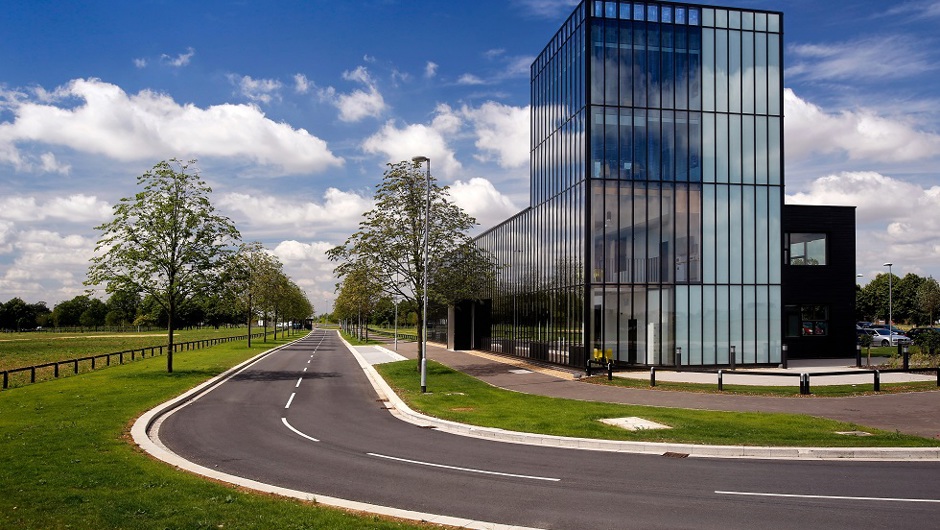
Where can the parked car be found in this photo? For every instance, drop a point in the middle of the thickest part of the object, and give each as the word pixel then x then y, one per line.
pixel 917 331
pixel 883 337
pixel 895 329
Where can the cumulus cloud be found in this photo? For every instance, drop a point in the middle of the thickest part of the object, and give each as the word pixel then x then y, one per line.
pixel 51 165
pixel 301 84
pixel 858 135
pixel 430 69
pixel 308 266
pixel 259 90
pixel 402 143
pixel 360 103
pixel 75 208
pixel 140 63
pixel 480 199
pixel 339 213
pixel 180 60
pixel 502 133
pixel 895 218
pixel 470 79
pixel 149 125
pixel 46 262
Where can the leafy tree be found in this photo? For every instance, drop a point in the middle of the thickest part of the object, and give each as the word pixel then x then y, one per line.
pixel 245 277
pixel 94 315
pixel 390 240
pixel 928 298
pixel 17 315
pixel 69 312
pixel 359 293
pixel 122 308
pixel 904 293
pixel 167 241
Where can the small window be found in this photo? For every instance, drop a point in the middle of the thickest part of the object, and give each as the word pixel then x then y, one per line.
pixel 680 15
pixel 806 249
pixel 806 321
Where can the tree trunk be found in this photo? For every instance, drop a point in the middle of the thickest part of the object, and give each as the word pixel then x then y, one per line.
pixel 249 320
pixel 169 350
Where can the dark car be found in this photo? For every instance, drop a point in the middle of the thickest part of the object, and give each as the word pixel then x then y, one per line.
pixel 918 331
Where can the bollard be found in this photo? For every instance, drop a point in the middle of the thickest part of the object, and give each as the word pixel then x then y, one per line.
pixel 907 357
pixel 783 356
pixel 587 368
pixel 858 355
pixel 610 370
pixel 802 384
pixel 653 376
pixel 732 357
pixel 877 381
pixel 721 384
pixel 678 358
pixel 808 391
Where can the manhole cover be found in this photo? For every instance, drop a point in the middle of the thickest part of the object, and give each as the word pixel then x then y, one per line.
pixel 520 371
pixel 634 423
pixel 853 433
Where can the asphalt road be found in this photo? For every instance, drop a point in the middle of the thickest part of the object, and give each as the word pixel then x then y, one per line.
pixel 307 418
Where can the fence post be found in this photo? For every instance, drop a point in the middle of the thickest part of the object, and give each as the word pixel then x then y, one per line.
pixel 6 379
pixel 721 385
pixel 808 391
pixel 877 381
pixel 55 371
pixel 653 376
pixel 121 357
pixel 92 363
pixel 32 374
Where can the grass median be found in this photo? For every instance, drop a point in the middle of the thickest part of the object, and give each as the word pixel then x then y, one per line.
pixel 66 459
pixel 459 397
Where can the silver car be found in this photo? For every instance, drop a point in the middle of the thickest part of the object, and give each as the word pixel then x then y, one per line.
pixel 884 337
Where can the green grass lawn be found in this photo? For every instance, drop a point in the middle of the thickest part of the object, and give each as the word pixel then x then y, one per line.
pixel 459 397
pixel 863 388
pixel 67 461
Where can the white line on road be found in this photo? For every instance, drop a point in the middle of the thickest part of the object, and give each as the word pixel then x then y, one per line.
pixel 829 497
pixel 482 471
pixel 298 382
pixel 305 369
pixel 291 427
pixel 289 400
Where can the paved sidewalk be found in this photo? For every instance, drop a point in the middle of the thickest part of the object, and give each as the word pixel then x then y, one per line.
pixel 916 413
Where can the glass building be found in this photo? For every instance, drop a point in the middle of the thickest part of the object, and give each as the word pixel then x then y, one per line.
pixel 653 235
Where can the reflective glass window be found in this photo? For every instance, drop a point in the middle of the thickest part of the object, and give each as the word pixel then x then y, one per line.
pixel 709 319
pixel 709 233
pixel 693 16
pixel 708 69
pixel 806 249
pixel 693 354
pixel 748 225
pixel 722 236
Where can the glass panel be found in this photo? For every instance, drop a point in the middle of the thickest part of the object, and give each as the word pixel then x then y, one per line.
pixel 640 218
pixel 639 145
pixel 652 13
pixel 747 20
pixel 760 73
pixel 734 86
pixel 774 162
pixel 760 22
pixel 627 327
pixel 773 75
pixel 667 258
pixel 737 237
pixel 721 18
pixel 749 338
pixel 760 150
pixel 762 242
pixel 734 149
pixel 722 242
pixel 695 233
pixel 611 146
pixel 708 70
pixel 611 309
pixel 721 70
pixel 682 233
pixel 611 62
pixel 653 327
pixel 775 236
pixel 638 13
pixel 639 65
pixel 681 147
pixel 654 146
pixel 736 323
pixel 748 223
pixel 626 66
pixel 666 15
pixel 708 325
pixel 773 23
pixel 680 15
pixel 747 149
pixel 639 321
pixel 695 142
pixel 747 72
pixel 597 64
pixel 708 234
pixel 708 17
pixel 599 215
pixel 693 16
pixel 721 149
pixel 734 19
pixel 722 324
pixel 708 148
pixel 626 145
pixel 654 235
pixel 625 11
pixel 776 341
pixel 806 249
pixel 626 262
pixel 597 144
pixel 693 354
pixel 683 317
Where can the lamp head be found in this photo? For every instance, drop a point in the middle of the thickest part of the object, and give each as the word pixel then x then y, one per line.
pixel 420 159
pixel 887 264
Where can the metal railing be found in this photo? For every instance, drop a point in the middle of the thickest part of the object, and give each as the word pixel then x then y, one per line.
pixel 805 377
pixel 122 356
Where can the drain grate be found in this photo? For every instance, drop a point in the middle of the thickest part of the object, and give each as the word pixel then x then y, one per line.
pixel 670 454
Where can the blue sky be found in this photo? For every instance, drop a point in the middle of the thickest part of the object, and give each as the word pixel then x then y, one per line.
pixel 293 108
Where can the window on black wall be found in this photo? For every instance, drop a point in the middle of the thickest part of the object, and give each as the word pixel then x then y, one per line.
pixel 806 248
pixel 806 320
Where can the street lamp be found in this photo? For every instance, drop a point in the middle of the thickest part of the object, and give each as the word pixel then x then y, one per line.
pixel 890 288
pixel 423 358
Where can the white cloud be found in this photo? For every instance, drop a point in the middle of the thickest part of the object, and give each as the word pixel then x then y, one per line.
pixel 149 125
pixel 180 60
pixel 880 58
pixel 470 79
pixel 398 144
pixel 480 199
pixel 261 90
pixel 430 70
pixel 896 219
pixel 301 84
pixel 858 135
pixel 51 165
pixel 339 213
pixel 79 208
pixel 548 8
pixel 140 63
pixel 358 104
pixel 308 266
pixel 47 263
pixel 502 131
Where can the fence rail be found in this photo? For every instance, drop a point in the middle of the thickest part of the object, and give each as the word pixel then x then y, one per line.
pixel 122 356
pixel 805 377
pixel 408 337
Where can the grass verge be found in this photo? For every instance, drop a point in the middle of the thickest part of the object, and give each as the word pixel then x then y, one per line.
pixel 356 341
pixel 66 460
pixel 818 390
pixel 459 397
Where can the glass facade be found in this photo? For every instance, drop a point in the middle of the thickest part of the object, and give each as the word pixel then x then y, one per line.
pixel 656 192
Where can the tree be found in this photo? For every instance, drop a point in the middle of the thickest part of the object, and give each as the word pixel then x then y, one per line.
pixel 94 315
pixel 69 312
pixel 246 275
pixel 122 308
pixel 928 298
pixel 359 293
pixel 166 241
pixel 390 240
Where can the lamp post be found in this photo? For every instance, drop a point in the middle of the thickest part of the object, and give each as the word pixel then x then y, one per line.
pixel 890 288
pixel 424 321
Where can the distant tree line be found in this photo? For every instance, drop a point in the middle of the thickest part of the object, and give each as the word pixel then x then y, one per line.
pixel 915 300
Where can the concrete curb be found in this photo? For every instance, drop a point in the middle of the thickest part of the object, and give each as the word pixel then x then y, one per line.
pixel 400 410
pixel 146 434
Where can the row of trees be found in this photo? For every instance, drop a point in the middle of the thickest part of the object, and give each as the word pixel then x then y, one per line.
pixel 168 244
pixel 914 299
